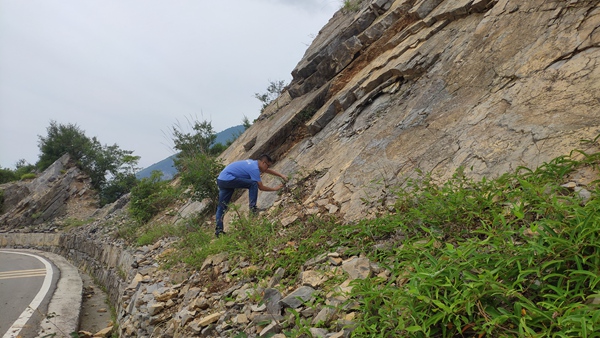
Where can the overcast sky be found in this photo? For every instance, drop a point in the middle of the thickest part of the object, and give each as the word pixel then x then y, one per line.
pixel 126 71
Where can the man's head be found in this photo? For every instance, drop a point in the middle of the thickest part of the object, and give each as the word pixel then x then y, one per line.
pixel 264 162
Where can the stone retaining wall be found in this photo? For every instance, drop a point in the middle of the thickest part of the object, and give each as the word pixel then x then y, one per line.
pixel 109 265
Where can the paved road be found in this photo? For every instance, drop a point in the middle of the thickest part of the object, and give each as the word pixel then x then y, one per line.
pixel 26 281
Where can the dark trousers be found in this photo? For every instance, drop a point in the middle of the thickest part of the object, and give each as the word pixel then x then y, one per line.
pixel 226 189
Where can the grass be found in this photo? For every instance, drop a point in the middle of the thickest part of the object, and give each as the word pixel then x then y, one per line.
pixel 158 232
pixel 351 5
pixel 259 241
pixel 70 223
pixel 513 257
pixel 516 256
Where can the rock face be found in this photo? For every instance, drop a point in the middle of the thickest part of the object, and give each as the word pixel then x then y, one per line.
pixel 62 190
pixel 433 85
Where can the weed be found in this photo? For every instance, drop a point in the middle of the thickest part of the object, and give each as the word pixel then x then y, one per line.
pixel 351 5
pixel 28 176
pixel 157 232
pixel 150 196
pixel 128 230
pixel 74 223
pixel 520 258
pixel 121 272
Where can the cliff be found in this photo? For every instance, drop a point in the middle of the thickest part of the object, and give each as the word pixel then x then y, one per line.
pixel 431 85
pixel 61 192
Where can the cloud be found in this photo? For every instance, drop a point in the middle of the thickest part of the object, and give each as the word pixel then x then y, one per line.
pixel 125 71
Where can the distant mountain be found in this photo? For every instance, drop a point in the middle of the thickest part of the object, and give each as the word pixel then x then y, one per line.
pixel 166 165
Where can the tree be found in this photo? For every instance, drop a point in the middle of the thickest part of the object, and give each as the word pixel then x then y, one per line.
pixel 274 89
pixel 246 123
pixel 123 180
pixel 62 139
pixel 189 144
pixel 197 161
pixel 109 167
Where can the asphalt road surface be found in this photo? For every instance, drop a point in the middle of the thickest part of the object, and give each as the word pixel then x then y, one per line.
pixel 26 284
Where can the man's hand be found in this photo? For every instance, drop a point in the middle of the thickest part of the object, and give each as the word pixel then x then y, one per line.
pixel 263 187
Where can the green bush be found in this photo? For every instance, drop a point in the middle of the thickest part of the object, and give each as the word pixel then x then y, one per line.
pixel 28 176
pixel 118 186
pixel 274 89
pixel 22 168
pixel 155 233
pixel 201 171
pixel 351 5
pixel 7 175
pixel 150 196
pixel 514 257
pixel 197 161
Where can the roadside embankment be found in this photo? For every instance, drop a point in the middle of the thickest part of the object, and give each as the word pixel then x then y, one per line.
pixel 104 263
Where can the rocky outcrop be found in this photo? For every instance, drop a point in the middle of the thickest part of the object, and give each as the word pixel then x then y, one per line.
pixel 433 85
pixel 155 306
pixel 60 191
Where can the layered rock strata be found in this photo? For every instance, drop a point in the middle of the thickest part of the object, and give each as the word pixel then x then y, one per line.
pixel 432 85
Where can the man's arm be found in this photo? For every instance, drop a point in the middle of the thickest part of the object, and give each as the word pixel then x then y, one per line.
pixel 263 187
pixel 275 173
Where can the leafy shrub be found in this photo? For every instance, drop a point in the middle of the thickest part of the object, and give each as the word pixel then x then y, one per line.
pixel 197 162
pixel 201 173
pixel 150 196
pixel 118 186
pixel 29 176
pixel 274 89
pixel 22 168
pixel 513 257
pixel 7 175
pixel 351 5
pixel 155 233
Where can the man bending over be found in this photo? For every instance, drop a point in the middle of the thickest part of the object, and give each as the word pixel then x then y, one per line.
pixel 243 175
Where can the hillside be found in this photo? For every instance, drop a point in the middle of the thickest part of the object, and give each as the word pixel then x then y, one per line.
pixel 432 85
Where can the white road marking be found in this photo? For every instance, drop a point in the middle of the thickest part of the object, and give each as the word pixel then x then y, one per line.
pixel 18 325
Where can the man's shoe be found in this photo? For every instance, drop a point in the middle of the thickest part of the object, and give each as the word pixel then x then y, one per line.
pixel 219 234
pixel 256 211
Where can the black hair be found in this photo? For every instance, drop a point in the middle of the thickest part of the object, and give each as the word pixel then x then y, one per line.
pixel 266 157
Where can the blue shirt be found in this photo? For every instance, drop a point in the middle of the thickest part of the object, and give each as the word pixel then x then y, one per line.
pixel 247 169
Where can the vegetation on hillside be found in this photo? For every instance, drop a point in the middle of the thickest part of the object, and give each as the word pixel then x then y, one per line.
pixel 516 256
pixel 23 170
pixel 351 5
pixel 197 161
pixel 274 89
pixel 198 166
pixel 110 168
